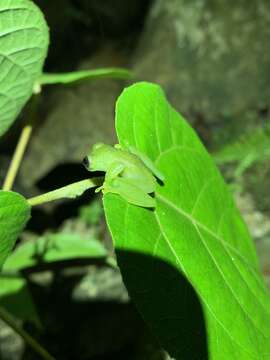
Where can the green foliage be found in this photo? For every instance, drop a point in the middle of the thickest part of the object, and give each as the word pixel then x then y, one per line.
pixel 14 293
pixel 195 231
pixel 52 248
pixel 190 258
pixel 14 213
pixel 17 299
pixel 250 148
pixel 23 47
pixel 24 39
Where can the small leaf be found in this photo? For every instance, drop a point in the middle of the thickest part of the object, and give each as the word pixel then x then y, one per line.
pixel 195 234
pixel 14 293
pixel 14 214
pixel 83 75
pixel 54 247
pixel 23 48
pixel 17 299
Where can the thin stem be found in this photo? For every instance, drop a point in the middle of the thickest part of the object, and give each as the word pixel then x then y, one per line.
pixel 17 157
pixel 31 115
pixel 8 319
pixel 69 191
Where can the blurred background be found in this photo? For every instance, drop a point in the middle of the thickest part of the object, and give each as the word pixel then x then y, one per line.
pixel 212 59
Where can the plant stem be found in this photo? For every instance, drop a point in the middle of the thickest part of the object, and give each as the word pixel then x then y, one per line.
pixel 31 114
pixel 17 157
pixel 8 319
pixel 69 191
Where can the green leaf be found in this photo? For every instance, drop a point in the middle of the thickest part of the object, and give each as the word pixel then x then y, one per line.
pixel 14 293
pixel 23 48
pixel 52 248
pixel 83 75
pixel 17 299
pixel 14 213
pixel 195 231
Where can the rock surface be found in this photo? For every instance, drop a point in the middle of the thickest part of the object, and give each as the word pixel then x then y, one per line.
pixel 210 57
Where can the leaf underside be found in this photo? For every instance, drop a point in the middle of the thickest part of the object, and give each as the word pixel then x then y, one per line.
pixel 23 47
pixel 195 231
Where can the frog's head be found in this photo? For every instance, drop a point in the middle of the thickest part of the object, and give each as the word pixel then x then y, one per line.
pixel 99 157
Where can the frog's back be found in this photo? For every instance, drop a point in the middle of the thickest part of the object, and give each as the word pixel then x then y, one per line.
pixel 136 170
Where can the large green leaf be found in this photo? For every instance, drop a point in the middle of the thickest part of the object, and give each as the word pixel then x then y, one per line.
pixel 23 48
pixel 14 213
pixel 196 231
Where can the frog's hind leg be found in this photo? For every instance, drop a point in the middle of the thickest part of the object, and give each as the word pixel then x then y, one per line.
pixel 132 194
pixel 147 162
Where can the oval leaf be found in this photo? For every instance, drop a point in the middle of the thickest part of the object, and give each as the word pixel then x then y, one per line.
pixel 14 213
pixel 195 231
pixel 53 248
pixel 23 48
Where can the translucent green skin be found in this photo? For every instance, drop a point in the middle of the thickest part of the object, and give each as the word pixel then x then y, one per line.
pixel 128 174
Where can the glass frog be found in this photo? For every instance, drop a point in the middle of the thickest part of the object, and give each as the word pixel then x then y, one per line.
pixel 129 173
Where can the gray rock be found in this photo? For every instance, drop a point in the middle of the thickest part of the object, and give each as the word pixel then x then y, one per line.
pixel 11 344
pixel 259 226
pixel 101 285
pixel 211 57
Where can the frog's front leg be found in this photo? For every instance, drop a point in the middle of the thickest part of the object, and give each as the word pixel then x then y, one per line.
pixel 113 172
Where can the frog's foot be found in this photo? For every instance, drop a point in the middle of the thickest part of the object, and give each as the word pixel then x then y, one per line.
pixel 98 189
pixel 118 146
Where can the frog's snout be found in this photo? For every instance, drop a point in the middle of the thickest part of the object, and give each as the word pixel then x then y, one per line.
pixel 86 162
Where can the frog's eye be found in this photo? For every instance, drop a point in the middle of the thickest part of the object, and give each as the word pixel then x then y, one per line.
pixel 86 162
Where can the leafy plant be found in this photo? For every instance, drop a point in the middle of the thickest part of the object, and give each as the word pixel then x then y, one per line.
pixel 250 148
pixel 187 259
pixel 24 39
pixel 195 231
pixel 47 249
pixel 24 42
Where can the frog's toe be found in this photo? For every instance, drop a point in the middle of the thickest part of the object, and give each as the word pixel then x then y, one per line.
pixel 100 188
